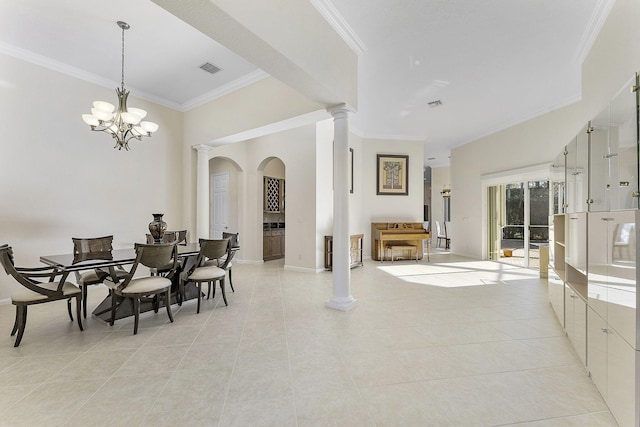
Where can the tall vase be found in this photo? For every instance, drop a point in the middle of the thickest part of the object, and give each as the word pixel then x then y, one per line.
pixel 157 227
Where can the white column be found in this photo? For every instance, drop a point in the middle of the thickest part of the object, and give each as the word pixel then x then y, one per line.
pixel 202 192
pixel 341 298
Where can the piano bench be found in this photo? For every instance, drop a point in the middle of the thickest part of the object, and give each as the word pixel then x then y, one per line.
pixel 413 250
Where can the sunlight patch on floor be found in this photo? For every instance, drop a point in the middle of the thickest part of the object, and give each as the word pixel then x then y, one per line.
pixel 457 274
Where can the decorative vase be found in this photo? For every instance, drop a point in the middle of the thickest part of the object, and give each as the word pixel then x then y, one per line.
pixel 157 227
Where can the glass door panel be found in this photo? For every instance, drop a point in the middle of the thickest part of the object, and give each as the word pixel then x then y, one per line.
pixel 623 157
pixel 538 221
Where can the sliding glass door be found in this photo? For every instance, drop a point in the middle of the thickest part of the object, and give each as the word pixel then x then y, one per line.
pixel 518 224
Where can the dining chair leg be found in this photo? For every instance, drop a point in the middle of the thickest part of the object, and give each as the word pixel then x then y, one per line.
pixel 78 311
pixel 84 300
pixel 199 295
pixel 209 290
pixel 136 312
pixel 224 296
pixel 69 309
pixel 213 294
pixel 231 282
pixel 155 303
pixel 22 319
pixel 167 303
pixel 15 323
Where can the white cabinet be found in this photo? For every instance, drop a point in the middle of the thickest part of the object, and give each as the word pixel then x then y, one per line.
pixel 556 295
pixel 612 270
pixel 612 365
pixel 576 241
pixel 575 315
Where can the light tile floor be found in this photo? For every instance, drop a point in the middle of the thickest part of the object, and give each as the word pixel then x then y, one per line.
pixel 453 342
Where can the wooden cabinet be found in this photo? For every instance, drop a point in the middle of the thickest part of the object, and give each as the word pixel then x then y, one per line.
pixel 272 244
pixel 355 251
pixel 273 195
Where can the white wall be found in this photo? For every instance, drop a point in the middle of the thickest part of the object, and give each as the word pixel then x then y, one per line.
pixel 60 180
pixel 377 208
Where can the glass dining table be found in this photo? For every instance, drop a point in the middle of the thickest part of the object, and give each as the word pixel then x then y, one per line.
pixel 108 261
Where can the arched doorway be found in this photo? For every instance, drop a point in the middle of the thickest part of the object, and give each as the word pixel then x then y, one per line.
pixel 273 209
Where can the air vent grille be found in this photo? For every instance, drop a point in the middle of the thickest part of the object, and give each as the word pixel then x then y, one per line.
pixel 435 103
pixel 210 68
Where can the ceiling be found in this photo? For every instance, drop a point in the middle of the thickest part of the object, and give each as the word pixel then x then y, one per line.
pixel 491 63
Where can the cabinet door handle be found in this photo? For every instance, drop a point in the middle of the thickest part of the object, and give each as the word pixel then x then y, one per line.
pixel 605 330
pixel 572 296
pixel 606 219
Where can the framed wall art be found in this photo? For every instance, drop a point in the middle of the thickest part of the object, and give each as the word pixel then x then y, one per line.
pixel 392 175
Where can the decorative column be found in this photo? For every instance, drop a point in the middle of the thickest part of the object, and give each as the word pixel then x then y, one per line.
pixel 202 192
pixel 341 298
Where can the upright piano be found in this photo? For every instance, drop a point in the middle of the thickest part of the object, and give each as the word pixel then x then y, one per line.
pixel 385 234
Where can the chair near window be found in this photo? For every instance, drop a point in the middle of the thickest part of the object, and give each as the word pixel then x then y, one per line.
pixel 441 234
pixel 94 248
pixel 36 291
pixel 225 262
pixel 210 250
pixel 153 257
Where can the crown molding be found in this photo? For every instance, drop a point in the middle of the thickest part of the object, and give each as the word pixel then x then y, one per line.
pixel 69 70
pixel 232 86
pixel 597 20
pixel 340 25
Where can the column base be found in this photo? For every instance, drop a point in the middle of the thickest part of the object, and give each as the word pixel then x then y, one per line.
pixel 342 303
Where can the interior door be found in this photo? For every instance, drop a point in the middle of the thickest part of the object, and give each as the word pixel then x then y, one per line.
pixel 219 205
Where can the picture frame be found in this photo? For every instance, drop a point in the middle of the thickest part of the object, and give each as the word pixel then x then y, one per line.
pixel 392 175
pixel 350 170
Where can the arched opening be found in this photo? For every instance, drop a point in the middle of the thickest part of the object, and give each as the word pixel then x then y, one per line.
pixel 273 208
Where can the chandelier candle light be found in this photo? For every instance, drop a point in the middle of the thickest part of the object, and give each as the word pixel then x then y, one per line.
pixel 125 123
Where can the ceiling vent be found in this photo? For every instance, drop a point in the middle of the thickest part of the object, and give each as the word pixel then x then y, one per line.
pixel 210 68
pixel 435 103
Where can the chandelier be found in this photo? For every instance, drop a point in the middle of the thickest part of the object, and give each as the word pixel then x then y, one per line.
pixel 124 123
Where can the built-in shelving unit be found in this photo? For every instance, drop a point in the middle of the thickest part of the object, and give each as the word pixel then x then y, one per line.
pixel 593 278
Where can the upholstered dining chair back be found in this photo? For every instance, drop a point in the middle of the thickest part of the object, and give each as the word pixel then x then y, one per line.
pixel 92 244
pixel 234 240
pixel 156 256
pixel 178 237
pixel 212 249
pixel 86 248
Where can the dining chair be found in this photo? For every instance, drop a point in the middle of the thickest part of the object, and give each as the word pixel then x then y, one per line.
pixel 40 286
pixel 225 262
pixel 136 288
pixel 441 234
pixel 210 250
pixel 94 248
